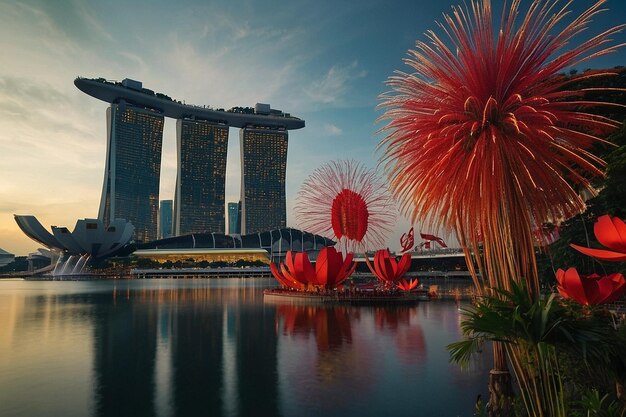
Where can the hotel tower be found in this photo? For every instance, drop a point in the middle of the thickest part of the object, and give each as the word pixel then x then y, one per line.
pixel 201 177
pixel 133 163
pixel 133 168
pixel 263 170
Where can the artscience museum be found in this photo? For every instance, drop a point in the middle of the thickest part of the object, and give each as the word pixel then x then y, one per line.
pixel 89 239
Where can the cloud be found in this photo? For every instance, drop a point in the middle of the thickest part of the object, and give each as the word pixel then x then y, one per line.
pixel 32 113
pixel 333 86
pixel 332 129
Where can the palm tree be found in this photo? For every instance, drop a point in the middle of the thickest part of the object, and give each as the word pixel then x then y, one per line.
pixel 486 138
pixel 536 332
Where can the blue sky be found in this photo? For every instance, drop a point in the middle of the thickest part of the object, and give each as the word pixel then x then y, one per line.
pixel 323 61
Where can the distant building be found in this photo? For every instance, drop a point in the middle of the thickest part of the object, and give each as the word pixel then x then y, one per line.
pixel 165 219
pixel 133 168
pixel 90 237
pixel 263 170
pixel 210 255
pixel 275 242
pixel 6 258
pixel 234 218
pixel 201 177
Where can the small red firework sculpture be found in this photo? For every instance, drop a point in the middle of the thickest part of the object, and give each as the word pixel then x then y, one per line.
pixel 386 269
pixel 330 270
pixel 346 202
pixel 408 286
pixel 407 240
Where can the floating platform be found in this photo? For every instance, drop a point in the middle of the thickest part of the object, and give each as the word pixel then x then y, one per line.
pixel 361 297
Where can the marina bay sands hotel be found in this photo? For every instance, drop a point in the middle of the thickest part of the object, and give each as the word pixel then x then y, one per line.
pixel 133 163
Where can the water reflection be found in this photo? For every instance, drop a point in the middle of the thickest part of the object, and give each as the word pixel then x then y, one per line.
pixel 329 325
pixel 403 322
pixel 124 356
pixel 213 347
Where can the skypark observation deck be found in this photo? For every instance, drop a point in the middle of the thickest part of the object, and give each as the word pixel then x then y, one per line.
pixel 132 92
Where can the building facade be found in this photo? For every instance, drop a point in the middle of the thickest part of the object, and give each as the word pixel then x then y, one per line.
pixel 234 218
pixel 165 218
pixel 263 171
pixel 134 142
pixel 133 168
pixel 201 177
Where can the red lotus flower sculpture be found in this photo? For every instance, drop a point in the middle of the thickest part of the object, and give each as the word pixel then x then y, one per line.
pixel 592 289
pixel 612 234
pixel 385 267
pixel 407 286
pixel 347 202
pixel 330 270
pixel 486 136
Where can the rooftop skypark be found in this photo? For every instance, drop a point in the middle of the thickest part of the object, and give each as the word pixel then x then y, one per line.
pixel 133 92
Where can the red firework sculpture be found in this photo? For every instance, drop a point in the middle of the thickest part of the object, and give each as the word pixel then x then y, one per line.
pixel 330 271
pixel 486 135
pixel 346 202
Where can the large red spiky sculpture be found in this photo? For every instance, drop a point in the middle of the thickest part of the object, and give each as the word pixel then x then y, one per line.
pixel 486 137
pixel 346 202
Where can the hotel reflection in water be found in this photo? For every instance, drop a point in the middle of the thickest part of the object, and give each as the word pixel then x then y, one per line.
pixel 206 351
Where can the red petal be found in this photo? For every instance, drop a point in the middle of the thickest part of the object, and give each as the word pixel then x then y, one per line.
pixel 404 264
pixel 572 287
pixel 601 254
pixel 611 233
pixel 322 267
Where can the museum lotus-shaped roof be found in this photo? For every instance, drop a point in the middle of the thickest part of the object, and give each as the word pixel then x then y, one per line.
pixel 89 236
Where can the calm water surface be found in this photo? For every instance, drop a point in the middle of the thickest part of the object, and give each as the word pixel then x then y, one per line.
pixel 215 348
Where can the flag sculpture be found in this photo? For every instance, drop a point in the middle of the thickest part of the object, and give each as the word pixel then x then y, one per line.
pixel 407 240
pixel 432 238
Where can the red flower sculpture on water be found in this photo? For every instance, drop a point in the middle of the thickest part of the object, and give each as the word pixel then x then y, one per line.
pixel 385 267
pixel 485 135
pixel 591 289
pixel 612 234
pixel 347 202
pixel 407 286
pixel 330 270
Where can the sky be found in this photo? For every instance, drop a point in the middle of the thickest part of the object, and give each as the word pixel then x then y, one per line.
pixel 323 61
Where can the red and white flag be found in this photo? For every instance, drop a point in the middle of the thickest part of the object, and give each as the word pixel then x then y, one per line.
pixel 433 238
